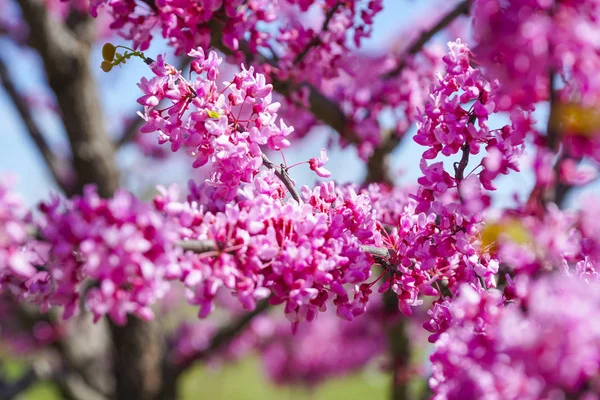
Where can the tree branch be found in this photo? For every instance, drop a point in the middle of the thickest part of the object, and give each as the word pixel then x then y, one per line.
pixel 65 52
pixel 204 246
pixel 52 162
pixel 378 165
pixel 316 40
pixel 225 335
pixel 459 167
pixel 282 174
pixel 461 8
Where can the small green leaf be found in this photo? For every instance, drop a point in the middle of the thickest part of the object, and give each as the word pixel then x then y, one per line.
pixel 213 114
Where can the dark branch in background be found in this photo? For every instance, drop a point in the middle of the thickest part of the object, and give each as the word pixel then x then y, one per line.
pixel 78 376
pixel 378 165
pixel 172 371
pixel 53 163
pixel 130 132
pixel 552 128
pixel 461 8
pixel 138 351
pixel 225 335
pixel 553 134
pixel 229 332
pixel 316 40
pixel 65 52
pixel 558 192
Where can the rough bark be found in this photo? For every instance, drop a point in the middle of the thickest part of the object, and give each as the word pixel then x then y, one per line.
pixel 65 52
pixel 137 368
pixel 399 349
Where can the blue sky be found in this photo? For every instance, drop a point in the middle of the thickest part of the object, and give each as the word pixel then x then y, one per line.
pixel 118 92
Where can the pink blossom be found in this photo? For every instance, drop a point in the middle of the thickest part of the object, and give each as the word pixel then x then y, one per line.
pixel 316 164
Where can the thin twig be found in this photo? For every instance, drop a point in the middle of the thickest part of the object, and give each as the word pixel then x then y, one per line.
pixel 204 246
pixel 461 8
pixel 282 173
pixel 316 40
pixel 222 338
pixel 459 168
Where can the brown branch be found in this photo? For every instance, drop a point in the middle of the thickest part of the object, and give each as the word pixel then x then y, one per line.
pixel 316 40
pixel 138 352
pixel 204 246
pixel 461 8
pixel 553 125
pixel 130 132
pixel 225 335
pixel 198 246
pixel 459 167
pixel 65 52
pixel 378 165
pixel 52 162
pixel 282 173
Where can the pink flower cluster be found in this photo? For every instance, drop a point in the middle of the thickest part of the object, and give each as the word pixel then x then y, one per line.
pixel 300 254
pixel 545 345
pixel 446 127
pixel 118 254
pixel 307 43
pixel 227 129
pixel 436 238
pixel 329 348
pixel 22 339
pixel 521 42
pixel 367 94
pixel 16 257
pixel 556 239
pixel 433 249
pixel 527 44
pixel 187 25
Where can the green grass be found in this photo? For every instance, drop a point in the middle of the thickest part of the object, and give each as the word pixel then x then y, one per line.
pixel 245 380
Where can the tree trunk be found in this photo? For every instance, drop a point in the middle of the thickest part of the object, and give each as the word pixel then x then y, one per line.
pixel 399 349
pixel 137 365
pixel 65 51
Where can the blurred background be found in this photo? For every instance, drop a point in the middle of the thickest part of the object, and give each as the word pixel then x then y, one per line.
pixel 241 373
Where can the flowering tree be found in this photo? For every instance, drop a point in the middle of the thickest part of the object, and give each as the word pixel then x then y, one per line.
pixel 509 292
